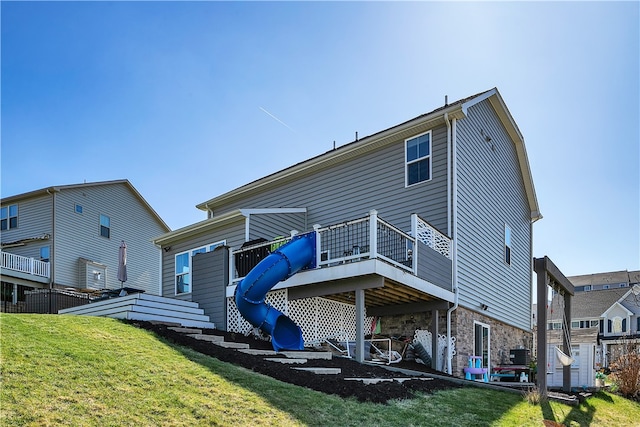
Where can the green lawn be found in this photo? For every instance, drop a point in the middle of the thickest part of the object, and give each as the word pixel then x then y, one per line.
pixel 86 371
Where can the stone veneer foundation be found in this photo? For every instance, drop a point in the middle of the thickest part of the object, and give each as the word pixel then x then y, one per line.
pixel 503 337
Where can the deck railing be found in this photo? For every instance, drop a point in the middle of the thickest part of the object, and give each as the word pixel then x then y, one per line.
pixel 24 264
pixel 431 237
pixel 356 240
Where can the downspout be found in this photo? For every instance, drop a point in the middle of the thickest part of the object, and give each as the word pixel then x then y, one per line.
pixel 446 120
pixel 454 261
pixel 52 255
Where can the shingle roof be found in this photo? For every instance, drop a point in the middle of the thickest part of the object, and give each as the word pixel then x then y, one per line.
pixel 585 305
pixel 613 277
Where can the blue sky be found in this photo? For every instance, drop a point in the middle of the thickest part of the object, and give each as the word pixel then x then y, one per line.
pixel 190 100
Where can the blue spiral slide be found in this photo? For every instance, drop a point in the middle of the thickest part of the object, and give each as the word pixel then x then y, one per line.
pixel 250 294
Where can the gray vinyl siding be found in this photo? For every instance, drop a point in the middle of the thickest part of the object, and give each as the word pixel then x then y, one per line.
pixel 233 235
pixel 34 219
pixel 434 267
pixel 491 194
pixel 269 226
pixel 210 276
pixel 78 235
pixel 349 190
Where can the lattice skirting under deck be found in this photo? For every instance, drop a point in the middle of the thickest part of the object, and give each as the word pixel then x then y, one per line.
pixel 319 318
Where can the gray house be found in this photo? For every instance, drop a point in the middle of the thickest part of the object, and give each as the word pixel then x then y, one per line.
pixel 422 230
pixel 68 237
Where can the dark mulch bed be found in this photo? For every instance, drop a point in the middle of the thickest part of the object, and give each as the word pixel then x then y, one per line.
pixel 330 384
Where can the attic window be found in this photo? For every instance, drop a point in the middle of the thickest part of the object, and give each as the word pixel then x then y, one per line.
pixel 418 159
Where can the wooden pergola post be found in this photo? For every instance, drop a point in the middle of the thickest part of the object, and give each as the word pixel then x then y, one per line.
pixel 548 274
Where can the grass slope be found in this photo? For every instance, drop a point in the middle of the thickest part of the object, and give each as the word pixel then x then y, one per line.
pixel 86 371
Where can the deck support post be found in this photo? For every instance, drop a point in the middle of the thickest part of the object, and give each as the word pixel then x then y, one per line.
pixel 359 325
pixel 434 339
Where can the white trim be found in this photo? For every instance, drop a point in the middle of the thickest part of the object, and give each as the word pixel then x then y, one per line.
pixel 617 303
pixel 198 227
pixel 484 325
pixel 478 99
pixel 247 212
pixel 355 269
pixel 418 159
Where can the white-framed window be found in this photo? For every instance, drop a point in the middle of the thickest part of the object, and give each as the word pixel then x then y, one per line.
pixel 554 325
pixel 105 226
pixel 8 217
pixel 78 208
pixel 584 324
pixel 418 159
pixel 617 325
pixel 183 266
pixel 507 244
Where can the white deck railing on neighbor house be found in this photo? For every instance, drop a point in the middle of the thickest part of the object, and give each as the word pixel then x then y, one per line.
pixel 24 264
pixel 364 238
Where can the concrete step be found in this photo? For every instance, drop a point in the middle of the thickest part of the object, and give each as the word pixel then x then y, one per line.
pixel 326 355
pixel 321 371
pixel 371 380
pixel 186 330
pixel 211 338
pixel 285 360
pixel 159 322
pixel 236 345
pixel 381 380
pixel 257 352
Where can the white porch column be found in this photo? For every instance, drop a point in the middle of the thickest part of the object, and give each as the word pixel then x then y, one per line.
pixel 359 325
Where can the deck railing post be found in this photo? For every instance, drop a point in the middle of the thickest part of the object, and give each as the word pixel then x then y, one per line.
pixel 414 250
pixel 373 234
pixel 316 229
pixel 232 267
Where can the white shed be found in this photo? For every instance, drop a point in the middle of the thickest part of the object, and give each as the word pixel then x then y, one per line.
pixel 583 351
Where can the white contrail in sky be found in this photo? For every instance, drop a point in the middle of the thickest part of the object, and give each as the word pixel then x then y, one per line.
pixel 275 118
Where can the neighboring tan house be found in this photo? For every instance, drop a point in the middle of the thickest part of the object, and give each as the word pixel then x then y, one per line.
pixel 69 236
pixel 424 228
pixel 605 314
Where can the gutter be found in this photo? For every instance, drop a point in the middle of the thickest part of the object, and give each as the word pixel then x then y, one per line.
pixel 454 269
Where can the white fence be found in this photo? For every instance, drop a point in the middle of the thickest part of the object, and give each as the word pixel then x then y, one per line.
pixel 23 264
